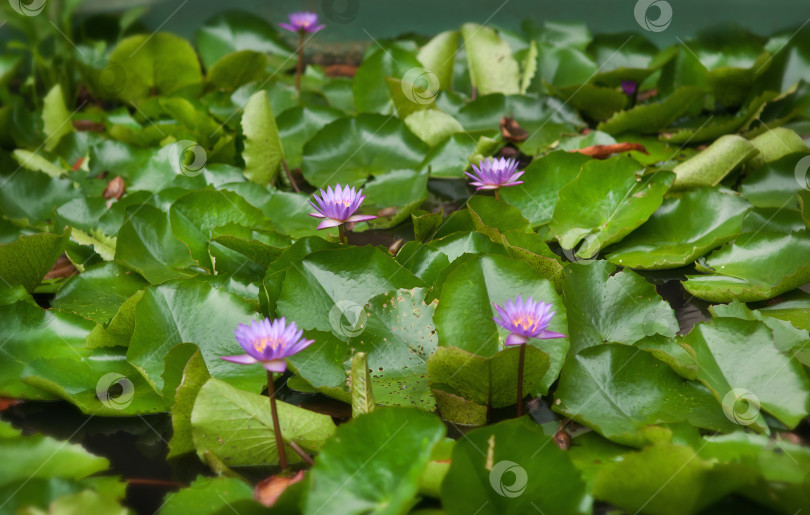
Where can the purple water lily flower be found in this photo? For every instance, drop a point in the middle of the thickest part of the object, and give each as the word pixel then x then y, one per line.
pixel 629 87
pixel 269 343
pixel 338 206
pixel 525 320
pixel 491 174
pixel 303 22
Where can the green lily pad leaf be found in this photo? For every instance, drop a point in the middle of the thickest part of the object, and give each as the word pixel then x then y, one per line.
pixel 191 311
pixel 98 292
pixel 486 381
pixel 666 479
pixel 38 456
pixel 544 177
pixel 756 266
pixel 533 250
pixel 314 288
pixel 775 144
pixel 55 118
pixel 234 31
pixel 457 409
pixel 362 469
pixel 775 184
pixel 237 427
pixel 28 259
pixel 623 56
pixel 492 67
pixel 795 308
pixel 788 339
pixel 160 62
pixel 195 375
pixel 597 102
pixel 711 165
pixel 211 495
pixel 425 224
pixel 371 93
pixel 432 126
pixel 683 229
pixel 32 196
pixel 362 393
pixel 119 331
pixel 607 306
pixel 237 69
pixel 620 392
pixel 349 149
pixel 263 151
pixel 438 56
pixel 37 163
pixel 464 315
pixel 449 158
pixel 493 217
pixel 760 377
pixel 529 66
pixel 606 201
pixel 506 469
pixel 647 118
pixel 297 125
pixel 395 195
pixel 396 332
pixel 148 246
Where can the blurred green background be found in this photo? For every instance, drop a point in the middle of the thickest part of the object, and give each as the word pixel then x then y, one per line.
pixel 359 20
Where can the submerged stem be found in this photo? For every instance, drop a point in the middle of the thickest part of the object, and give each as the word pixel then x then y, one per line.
pixel 342 233
pixel 271 391
pixel 521 359
pixel 300 66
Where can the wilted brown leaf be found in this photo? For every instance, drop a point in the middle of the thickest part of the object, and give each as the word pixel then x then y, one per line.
pixel 604 151
pixel 270 489
pixel 62 268
pixel 341 70
pixel 512 131
pixel 115 188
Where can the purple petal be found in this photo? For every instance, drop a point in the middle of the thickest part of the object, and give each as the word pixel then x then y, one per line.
pixel 244 359
pixel 547 335
pixel 360 218
pixel 276 365
pixel 329 222
pixel 288 27
pixel 515 339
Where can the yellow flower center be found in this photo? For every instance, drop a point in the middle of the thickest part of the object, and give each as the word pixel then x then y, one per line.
pixel 525 323
pixel 261 344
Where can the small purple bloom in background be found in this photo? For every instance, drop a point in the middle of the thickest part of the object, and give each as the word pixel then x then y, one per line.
pixel 525 320
pixel 491 174
pixel 629 87
pixel 303 22
pixel 269 343
pixel 338 206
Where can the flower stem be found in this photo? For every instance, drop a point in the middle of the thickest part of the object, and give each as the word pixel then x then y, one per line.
pixel 289 175
pixel 342 233
pixel 497 194
pixel 271 391
pixel 521 359
pixel 300 67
